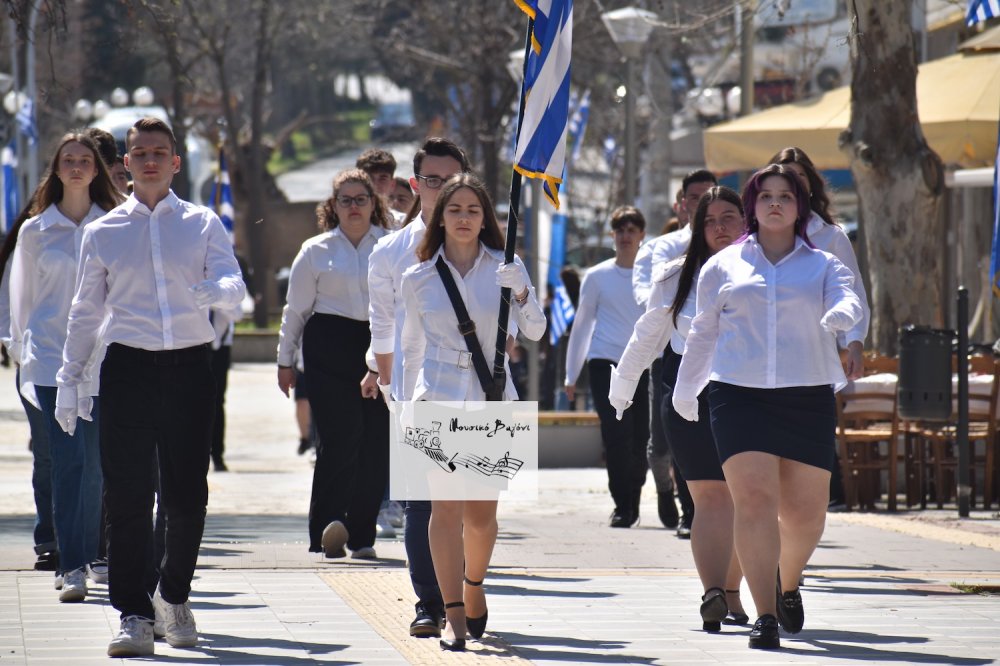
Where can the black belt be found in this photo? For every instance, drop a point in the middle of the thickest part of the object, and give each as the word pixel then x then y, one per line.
pixel 166 357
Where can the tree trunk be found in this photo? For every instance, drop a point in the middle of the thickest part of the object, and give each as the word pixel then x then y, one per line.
pixel 255 168
pixel 899 178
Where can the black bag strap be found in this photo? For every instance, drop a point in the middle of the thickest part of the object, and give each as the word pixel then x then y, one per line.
pixel 466 327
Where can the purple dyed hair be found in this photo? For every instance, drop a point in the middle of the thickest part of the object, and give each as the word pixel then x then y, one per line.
pixel 752 189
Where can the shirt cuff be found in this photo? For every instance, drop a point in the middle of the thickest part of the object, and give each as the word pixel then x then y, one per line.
pixel 383 345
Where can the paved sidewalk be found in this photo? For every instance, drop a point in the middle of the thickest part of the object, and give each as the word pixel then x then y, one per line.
pixel 563 587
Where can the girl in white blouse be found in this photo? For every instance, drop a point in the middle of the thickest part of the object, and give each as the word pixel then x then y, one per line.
pixel 717 223
pixel 75 191
pixel 463 233
pixel 327 313
pixel 763 340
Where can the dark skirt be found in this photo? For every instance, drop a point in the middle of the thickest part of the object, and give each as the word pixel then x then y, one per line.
pixel 691 443
pixel 798 422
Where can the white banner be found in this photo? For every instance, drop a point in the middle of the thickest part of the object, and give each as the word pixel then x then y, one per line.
pixel 463 450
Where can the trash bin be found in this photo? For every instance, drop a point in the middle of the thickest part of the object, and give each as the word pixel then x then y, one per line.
pixel 925 373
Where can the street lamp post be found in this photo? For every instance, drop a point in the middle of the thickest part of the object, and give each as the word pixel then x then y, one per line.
pixel 630 28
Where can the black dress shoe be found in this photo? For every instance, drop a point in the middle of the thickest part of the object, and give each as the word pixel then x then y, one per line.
pixel 713 609
pixel 476 626
pixel 764 635
pixel 426 624
pixel 684 530
pixel 453 644
pixel 791 615
pixel 734 616
pixel 667 508
pixel 47 561
pixel 620 518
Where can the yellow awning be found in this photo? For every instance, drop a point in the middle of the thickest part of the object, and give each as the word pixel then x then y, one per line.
pixel 958 99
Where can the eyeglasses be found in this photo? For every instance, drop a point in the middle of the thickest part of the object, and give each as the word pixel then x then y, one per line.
pixel 432 182
pixel 360 201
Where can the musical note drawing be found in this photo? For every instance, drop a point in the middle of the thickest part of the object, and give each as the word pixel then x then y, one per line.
pixel 506 467
pixel 428 441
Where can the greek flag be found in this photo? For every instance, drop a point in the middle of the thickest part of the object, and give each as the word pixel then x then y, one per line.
pixel 10 202
pixel 561 313
pixel 26 121
pixel 995 254
pixel 222 196
pixel 541 146
pixel 578 126
pixel 982 10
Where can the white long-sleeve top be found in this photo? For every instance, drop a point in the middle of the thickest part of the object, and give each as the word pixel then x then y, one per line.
pixel 833 239
pixel 757 323
pixel 654 328
pixel 141 264
pixel 431 341
pixel 43 271
pixel 656 252
pixel 392 256
pixel 329 276
pixel 605 317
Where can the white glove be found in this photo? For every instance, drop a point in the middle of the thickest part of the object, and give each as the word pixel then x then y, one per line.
pixel 83 408
pixel 206 293
pixel 620 406
pixel 67 409
pixel 834 321
pixel 511 275
pixel 386 390
pixel 688 409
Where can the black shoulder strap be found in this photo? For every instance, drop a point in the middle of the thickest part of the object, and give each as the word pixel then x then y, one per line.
pixel 466 326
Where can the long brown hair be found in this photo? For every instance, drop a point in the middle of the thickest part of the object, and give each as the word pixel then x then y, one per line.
pixel 326 212
pixel 489 235
pixel 50 189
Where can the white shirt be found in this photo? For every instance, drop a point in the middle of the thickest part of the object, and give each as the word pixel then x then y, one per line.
pixel 431 342
pixel 605 317
pixel 833 239
pixel 392 255
pixel 653 329
pixel 43 270
pixel 757 323
pixel 656 252
pixel 329 276
pixel 141 266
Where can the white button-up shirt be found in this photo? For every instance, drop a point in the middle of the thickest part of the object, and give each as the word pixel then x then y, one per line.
pixel 329 276
pixel 392 255
pixel 833 239
pixel 653 253
pixel 43 271
pixel 605 317
pixel 141 264
pixel 433 347
pixel 757 323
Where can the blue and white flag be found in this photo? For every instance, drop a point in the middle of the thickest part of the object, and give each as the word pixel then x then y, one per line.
pixel 11 205
pixel 26 121
pixel 578 126
pixel 541 146
pixel 222 196
pixel 610 151
pixel 982 10
pixel 995 254
pixel 561 313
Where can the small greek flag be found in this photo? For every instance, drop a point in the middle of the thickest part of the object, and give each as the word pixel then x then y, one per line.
pixel 541 146
pixel 26 121
pixel 982 10
pixel 10 199
pixel 561 314
pixel 222 196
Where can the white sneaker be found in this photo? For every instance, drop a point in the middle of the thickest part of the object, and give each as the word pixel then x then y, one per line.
pixel 396 513
pixel 364 553
pixel 334 539
pixel 57 582
pixel 174 622
pixel 74 586
pixel 134 639
pixel 97 571
pixel 383 527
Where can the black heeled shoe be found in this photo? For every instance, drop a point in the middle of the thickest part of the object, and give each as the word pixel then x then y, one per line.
pixel 453 644
pixel 713 609
pixel 476 625
pixel 764 635
pixel 735 617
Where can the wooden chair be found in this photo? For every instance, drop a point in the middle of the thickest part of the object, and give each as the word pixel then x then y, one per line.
pixel 864 422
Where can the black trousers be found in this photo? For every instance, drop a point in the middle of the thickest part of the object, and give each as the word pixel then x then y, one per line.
pixel 624 441
pixel 418 557
pixel 159 405
pixel 352 459
pixel 220 371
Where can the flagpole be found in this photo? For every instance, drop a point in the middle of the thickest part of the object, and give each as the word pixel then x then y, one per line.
pixel 513 212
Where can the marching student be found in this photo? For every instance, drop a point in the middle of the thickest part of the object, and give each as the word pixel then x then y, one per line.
pixel 153 266
pixel 462 245
pixel 437 160
pixel 326 314
pixel 605 318
pixel 763 340
pixel 717 222
pixel 380 166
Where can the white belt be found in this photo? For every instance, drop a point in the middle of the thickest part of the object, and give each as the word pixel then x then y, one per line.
pixel 460 359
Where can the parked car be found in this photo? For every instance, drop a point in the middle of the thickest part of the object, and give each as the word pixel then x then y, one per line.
pixel 393 121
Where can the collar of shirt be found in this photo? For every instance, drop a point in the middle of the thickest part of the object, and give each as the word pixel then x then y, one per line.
pixel 52 216
pixel 799 245
pixel 814 224
pixel 483 250
pixel 373 234
pixel 167 203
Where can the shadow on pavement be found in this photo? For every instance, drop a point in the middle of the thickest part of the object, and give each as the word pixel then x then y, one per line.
pixel 519 591
pixel 591 652
pixel 832 642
